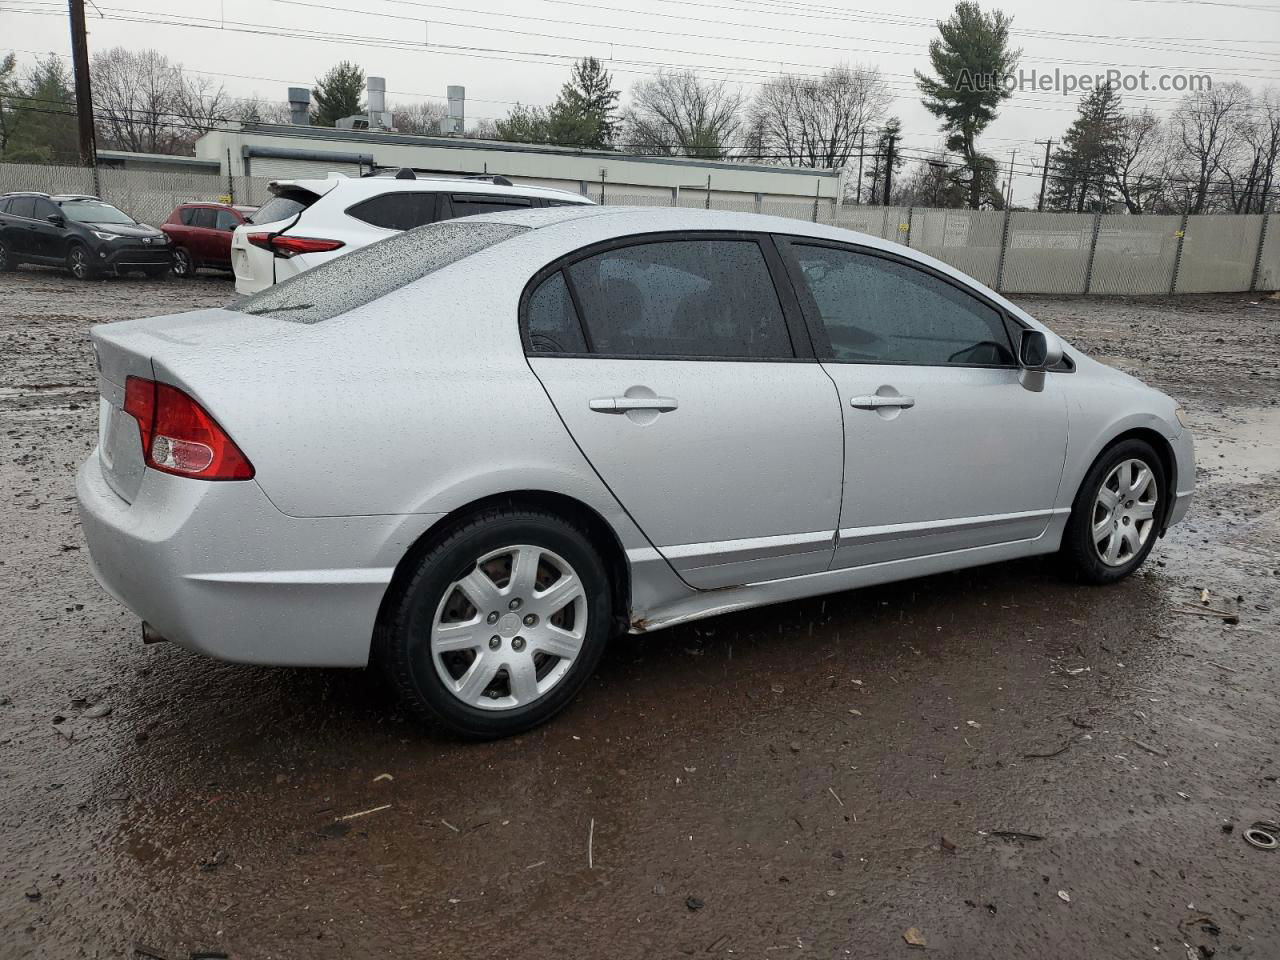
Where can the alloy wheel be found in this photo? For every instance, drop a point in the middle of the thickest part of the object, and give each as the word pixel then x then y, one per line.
pixel 1124 512
pixel 79 263
pixel 182 263
pixel 506 633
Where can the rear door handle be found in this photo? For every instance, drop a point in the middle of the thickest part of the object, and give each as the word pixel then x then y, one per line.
pixel 875 402
pixel 623 404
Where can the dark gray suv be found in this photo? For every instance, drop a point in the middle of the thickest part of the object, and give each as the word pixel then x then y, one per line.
pixel 85 234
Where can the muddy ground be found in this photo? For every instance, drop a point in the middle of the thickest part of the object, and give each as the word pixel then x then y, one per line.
pixel 958 755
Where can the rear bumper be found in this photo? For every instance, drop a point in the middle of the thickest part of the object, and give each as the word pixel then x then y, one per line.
pixel 216 568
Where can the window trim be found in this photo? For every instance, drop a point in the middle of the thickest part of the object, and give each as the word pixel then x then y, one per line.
pixel 437 206
pixel 817 330
pixel 793 322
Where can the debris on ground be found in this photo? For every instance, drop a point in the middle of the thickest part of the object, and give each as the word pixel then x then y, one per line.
pixel 914 937
pixel 1064 896
pixel 97 710
pixel 365 813
pixel 694 903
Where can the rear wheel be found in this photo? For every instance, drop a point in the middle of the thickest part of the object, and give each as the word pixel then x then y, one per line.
pixel 183 266
pixel 1116 517
pixel 80 263
pixel 6 257
pixel 500 625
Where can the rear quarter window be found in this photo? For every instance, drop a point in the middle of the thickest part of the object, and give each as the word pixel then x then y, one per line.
pixel 368 273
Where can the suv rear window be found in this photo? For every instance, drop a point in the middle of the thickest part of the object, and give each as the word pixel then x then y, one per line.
pixel 364 275
pixel 398 210
pixel 285 205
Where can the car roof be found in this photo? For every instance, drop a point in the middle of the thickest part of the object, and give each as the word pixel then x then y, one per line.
pixel 63 197
pixel 369 186
pixel 23 193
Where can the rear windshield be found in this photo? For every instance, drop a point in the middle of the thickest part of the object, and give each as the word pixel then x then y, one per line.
pixel 364 275
pixel 284 206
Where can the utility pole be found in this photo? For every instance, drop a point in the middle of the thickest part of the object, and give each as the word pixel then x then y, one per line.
pixel 84 96
pixel 861 150
pixel 888 168
pixel 1044 174
pixel 1008 199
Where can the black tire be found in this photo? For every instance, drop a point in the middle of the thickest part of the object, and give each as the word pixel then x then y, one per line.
pixel 402 646
pixel 1083 557
pixel 7 262
pixel 183 265
pixel 80 262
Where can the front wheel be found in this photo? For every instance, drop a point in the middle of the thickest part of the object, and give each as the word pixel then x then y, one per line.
pixel 80 264
pixel 1116 517
pixel 7 262
pixel 183 266
pixel 500 624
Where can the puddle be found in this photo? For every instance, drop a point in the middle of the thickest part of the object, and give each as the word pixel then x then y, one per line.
pixel 1240 445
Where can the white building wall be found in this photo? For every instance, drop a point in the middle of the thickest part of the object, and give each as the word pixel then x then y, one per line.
pixel 547 166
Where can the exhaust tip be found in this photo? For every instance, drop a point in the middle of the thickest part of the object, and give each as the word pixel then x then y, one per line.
pixel 151 635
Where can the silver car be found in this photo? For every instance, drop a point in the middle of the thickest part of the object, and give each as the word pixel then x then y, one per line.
pixel 475 451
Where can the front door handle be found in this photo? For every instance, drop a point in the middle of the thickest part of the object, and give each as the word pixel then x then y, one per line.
pixel 623 404
pixel 876 402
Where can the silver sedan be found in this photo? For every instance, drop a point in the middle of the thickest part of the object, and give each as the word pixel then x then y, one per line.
pixel 474 452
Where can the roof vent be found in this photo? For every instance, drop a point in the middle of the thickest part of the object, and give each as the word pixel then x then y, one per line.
pixel 406 173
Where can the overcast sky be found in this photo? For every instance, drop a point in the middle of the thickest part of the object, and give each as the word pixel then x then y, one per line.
pixel 512 51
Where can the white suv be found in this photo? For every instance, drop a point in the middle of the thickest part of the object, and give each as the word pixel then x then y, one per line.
pixel 309 222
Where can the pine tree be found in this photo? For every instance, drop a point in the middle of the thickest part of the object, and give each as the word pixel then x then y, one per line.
pixel 337 94
pixel 1082 165
pixel 971 58
pixel 586 112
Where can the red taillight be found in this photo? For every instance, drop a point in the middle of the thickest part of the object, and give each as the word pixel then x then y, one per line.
pixel 179 437
pixel 289 246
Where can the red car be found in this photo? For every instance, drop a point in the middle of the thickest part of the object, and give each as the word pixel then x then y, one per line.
pixel 201 235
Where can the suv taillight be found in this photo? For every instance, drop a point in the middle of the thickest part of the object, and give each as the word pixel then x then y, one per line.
pixel 290 246
pixel 179 436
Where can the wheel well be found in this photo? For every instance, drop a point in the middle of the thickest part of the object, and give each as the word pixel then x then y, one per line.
pixel 1164 450
pixel 592 524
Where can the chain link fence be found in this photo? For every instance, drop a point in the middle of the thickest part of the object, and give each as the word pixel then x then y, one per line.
pixel 1014 252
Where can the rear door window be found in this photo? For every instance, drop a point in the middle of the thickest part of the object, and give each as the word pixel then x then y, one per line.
pixel 874 309
pixel 204 218
pixel 469 205
pixel 553 323
pixel 682 298
pixel 398 210
pixel 22 207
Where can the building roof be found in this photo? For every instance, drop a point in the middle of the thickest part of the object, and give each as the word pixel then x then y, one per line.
pixel 463 143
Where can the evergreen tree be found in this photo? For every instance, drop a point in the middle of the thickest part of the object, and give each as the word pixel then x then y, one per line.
pixel 40 114
pixel 875 175
pixel 337 94
pixel 971 58
pixel 584 114
pixel 1081 167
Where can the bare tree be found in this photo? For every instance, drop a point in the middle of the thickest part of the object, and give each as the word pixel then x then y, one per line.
pixel 817 121
pixel 1206 131
pixel 676 113
pixel 145 103
pixel 422 118
pixel 1251 171
pixel 1136 161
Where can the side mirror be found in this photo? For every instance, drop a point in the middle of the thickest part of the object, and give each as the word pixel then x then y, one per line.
pixel 57 219
pixel 1039 350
